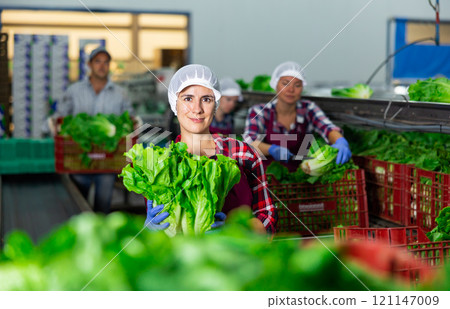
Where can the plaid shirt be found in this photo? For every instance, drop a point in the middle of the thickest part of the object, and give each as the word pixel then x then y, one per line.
pixel 226 124
pixel 251 162
pixel 258 118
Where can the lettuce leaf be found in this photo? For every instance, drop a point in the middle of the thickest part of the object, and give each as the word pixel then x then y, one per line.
pixel 442 230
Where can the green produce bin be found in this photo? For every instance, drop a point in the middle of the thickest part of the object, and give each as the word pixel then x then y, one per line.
pixel 25 156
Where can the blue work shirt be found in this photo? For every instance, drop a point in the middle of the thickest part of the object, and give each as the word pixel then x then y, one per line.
pixel 80 97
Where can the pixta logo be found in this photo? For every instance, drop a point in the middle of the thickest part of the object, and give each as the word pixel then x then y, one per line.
pixel 283 140
pixel 146 134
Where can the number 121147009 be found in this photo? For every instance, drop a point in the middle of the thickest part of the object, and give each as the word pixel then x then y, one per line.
pixel 401 300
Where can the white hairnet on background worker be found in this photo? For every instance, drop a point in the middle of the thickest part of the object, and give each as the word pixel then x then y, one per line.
pixel 192 74
pixel 228 87
pixel 289 68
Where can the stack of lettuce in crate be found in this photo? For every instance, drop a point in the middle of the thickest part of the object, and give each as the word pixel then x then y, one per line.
pixel 408 173
pixel 319 195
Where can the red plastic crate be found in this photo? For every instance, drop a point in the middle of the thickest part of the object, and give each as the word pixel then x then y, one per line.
pixel 427 193
pixel 394 236
pixel 320 207
pixel 68 158
pixel 389 263
pixel 425 254
pixel 386 187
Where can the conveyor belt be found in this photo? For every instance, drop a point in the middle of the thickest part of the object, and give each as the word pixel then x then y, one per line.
pixel 418 114
pixel 37 203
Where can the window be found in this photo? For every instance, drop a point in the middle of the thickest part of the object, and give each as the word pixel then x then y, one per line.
pixel 126 35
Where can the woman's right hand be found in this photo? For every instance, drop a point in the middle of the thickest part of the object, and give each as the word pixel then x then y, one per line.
pixel 257 226
pixel 154 218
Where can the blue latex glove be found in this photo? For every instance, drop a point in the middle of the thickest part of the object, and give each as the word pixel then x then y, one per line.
pixel 219 221
pixel 154 218
pixel 344 153
pixel 280 153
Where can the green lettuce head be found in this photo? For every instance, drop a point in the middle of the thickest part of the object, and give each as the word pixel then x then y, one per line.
pixel 359 91
pixel 321 162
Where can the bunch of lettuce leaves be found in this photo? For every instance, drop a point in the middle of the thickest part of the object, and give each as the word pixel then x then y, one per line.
pixel 428 151
pixel 191 188
pixel 261 83
pixel 360 91
pixel 442 230
pixel 243 84
pixel 322 168
pixel 233 259
pixel 102 130
pixel 430 90
pixel 321 162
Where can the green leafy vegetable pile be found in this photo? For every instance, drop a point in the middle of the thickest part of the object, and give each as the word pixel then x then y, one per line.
pixel 360 91
pixel 442 230
pixel 101 130
pixel 428 151
pixel 244 85
pixel 430 90
pixel 95 253
pixel 261 83
pixel 192 188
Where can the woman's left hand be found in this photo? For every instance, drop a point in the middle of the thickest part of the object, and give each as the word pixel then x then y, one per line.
pixel 344 153
pixel 219 220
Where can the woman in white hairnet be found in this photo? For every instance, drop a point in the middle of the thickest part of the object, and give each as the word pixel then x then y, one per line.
pixel 278 128
pixel 194 98
pixel 223 119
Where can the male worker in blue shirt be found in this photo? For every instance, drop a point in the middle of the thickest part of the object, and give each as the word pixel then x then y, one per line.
pixel 93 95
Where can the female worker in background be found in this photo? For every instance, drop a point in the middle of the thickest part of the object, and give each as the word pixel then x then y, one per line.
pixel 285 121
pixel 194 98
pixel 223 119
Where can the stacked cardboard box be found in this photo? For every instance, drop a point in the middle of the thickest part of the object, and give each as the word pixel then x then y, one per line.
pixel 59 69
pixel 21 85
pixel 4 86
pixel 40 77
pixel 40 83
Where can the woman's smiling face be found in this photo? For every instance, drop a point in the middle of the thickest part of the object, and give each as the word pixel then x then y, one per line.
pixel 195 109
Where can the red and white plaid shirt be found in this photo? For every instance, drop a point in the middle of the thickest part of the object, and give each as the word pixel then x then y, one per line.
pixel 251 163
pixel 258 118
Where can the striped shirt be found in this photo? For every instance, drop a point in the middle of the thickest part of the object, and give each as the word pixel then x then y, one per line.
pixel 259 116
pixel 251 163
pixel 80 97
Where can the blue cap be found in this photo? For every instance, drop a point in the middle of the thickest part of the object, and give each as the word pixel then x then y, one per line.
pixel 97 51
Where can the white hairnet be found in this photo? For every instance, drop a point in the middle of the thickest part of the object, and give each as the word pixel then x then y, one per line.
pixel 192 74
pixel 289 68
pixel 228 87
